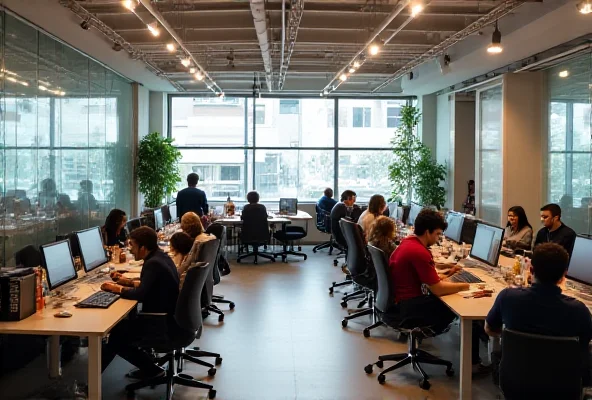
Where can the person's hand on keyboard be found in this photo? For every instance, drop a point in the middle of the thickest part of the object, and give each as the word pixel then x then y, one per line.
pixel 111 287
pixel 448 273
pixel 115 275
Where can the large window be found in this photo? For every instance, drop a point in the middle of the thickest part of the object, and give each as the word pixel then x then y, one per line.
pixel 285 147
pixel 570 146
pixel 65 139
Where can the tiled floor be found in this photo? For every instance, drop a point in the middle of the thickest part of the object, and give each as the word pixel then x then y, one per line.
pixel 283 341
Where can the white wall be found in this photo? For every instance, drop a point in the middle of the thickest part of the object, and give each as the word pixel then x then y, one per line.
pixel 427 125
pixel 444 136
pixel 463 144
pixel 158 117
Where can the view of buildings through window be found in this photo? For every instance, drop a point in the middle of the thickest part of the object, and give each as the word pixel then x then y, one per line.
pixel 285 147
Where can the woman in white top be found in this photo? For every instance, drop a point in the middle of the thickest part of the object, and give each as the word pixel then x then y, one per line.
pixel 376 207
pixel 518 234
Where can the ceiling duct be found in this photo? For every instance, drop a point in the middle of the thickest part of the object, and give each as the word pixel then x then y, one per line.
pixel 260 21
pixel 296 10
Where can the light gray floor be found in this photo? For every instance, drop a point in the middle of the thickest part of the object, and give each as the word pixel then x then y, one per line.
pixel 283 341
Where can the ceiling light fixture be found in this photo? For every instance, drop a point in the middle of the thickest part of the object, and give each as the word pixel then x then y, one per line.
pixel 416 8
pixel 10 78
pixel 24 83
pixel 129 4
pixel 186 62
pixel 192 70
pixel 171 47
pixel 374 49
pixel 356 64
pixel 343 77
pixel 585 7
pixel 352 70
pixel 62 93
pixel 564 73
pixel 153 28
pixel 199 76
pixel 496 41
pixel 42 88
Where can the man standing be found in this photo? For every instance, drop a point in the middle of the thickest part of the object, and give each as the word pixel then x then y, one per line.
pixel 554 230
pixel 327 202
pixel 191 198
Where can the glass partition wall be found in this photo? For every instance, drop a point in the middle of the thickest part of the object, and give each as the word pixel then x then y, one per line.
pixel 569 161
pixel 285 147
pixel 65 139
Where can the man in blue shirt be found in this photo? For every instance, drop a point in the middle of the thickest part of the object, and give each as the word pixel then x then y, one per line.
pixel 327 202
pixel 542 309
pixel 191 198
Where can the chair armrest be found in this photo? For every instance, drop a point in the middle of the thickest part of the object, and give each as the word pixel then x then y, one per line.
pixel 153 324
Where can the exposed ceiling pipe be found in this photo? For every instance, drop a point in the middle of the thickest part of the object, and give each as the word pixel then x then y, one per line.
pixel 283 31
pixel 296 10
pixel 213 86
pixel 398 8
pixel 503 9
pixel 260 21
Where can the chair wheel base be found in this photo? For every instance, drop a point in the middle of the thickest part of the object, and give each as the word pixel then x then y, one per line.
pixel 381 379
pixel 212 394
pixel 344 304
pixel 218 360
pixel 379 364
pixel 368 369
pixel 212 372
pixel 425 384
pixel 449 372
pixel 231 306
pixel 344 323
pixel 366 332
pixel 221 318
pixel 331 290
pixel 335 263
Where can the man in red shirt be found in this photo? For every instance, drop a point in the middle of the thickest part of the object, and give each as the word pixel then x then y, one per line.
pixel 418 285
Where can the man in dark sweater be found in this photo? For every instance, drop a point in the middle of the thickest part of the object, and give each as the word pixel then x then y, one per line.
pixel 191 198
pixel 346 208
pixel 554 230
pixel 158 290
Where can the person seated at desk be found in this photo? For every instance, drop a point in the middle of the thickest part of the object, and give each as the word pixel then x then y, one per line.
pixel 382 235
pixel 181 244
pixel 254 209
pixel 346 208
pixel 412 266
pixel 376 206
pixel 86 199
pixel 157 291
pixel 48 196
pixel 327 202
pixel 518 234
pixel 554 230
pixel 113 231
pixel 542 309
pixel 191 198
pixel 191 225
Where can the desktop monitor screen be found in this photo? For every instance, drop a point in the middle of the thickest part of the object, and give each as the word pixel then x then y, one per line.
pixel 455 224
pixel 158 221
pixel 58 262
pixel 289 206
pixel 173 211
pixel 415 209
pixel 487 243
pixel 91 248
pixel 579 264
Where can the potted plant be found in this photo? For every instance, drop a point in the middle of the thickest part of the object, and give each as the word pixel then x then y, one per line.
pixel 157 168
pixel 414 173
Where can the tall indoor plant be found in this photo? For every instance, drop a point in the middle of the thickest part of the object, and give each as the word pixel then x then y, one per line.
pixel 414 173
pixel 158 170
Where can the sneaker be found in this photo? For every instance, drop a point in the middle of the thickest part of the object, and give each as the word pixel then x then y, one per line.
pixel 480 370
pixel 139 375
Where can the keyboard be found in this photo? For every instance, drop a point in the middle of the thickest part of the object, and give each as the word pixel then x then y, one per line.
pixel 98 300
pixel 468 263
pixel 464 277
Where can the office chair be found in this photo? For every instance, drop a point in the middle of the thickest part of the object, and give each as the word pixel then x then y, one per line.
pixel 209 253
pixel 361 269
pixel 540 367
pixel 341 245
pixel 324 226
pixel 386 311
pixel 219 231
pixel 166 214
pixel 287 236
pixel 254 232
pixel 133 224
pixel 171 338
pixel 28 257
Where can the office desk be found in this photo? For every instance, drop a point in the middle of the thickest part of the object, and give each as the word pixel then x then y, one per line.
pixel 93 323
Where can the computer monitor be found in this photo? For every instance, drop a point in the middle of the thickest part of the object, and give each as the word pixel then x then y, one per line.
pixel 133 224
pixel 173 211
pixel 92 251
pixel 455 225
pixel 58 262
pixel 158 220
pixel 289 206
pixel 487 243
pixel 413 212
pixel 580 268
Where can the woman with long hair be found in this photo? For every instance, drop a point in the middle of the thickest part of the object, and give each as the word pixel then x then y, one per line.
pixel 181 244
pixel 113 230
pixel 382 235
pixel 376 206
pixel 191 225
pixel 518 232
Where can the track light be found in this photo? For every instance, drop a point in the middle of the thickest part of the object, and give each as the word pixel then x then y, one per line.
pixel 416 8
pixel 153 28
pixel 374 49
pixel 85 24
pixel 357 64
pixel 171 47
pixel 117 47
pixel 585 6
pixel 192 70
pixel 564 74
pixel 343 77
pixel 199 76
pixel 352 70
pixel 42 88
pixel 129 4
pixel 496 41
pixel 186 62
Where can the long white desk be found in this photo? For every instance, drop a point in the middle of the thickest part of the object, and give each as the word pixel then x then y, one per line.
pixel 93 323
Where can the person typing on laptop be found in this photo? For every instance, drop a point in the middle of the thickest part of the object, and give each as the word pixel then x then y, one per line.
pixel 157 291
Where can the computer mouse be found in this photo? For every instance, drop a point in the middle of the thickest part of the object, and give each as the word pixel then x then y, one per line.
pixel 63 314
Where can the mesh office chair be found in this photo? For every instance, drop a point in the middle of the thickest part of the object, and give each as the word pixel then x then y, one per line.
pixel 288 236
pixel 341 245
pixel 169 338
pixel 254 232
pixel 324 226
pixel 219 231
pixel 361 269
pixel 540 367
pixel 28 257
pixel 386 311
pixel 209 253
